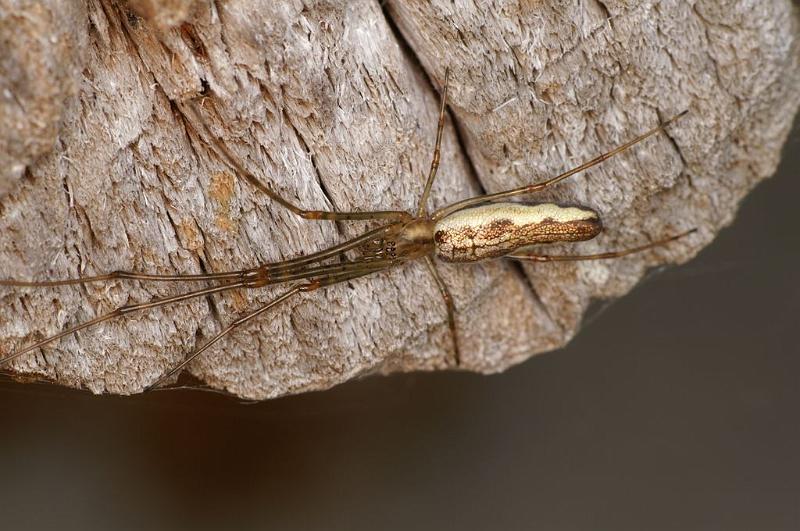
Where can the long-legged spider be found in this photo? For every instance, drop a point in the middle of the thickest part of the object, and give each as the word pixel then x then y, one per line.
pixel 479 228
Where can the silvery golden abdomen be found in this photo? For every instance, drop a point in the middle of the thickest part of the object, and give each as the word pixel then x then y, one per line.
pixel 498 229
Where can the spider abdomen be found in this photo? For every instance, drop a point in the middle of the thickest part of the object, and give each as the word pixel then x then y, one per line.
pixel 498 229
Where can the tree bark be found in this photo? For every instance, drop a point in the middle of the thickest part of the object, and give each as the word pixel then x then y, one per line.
pixel 107 166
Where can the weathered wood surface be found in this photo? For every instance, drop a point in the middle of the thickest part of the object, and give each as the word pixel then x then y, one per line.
pixel 103 168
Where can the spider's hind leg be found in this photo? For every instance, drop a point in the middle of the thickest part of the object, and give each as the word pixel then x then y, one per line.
pixel 451 309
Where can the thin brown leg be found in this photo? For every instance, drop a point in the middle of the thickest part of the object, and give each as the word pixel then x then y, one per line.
pixel 365 269
pixel 326 274
pixel 532 188
pixel 599 256
pixel 127 275
pixel 124 310
pixel 451 308
pixel 437 150
pixel 244 274
pixel 228 156
pixel 225 331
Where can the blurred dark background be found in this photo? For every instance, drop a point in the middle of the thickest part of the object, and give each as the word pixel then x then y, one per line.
pixel 676 408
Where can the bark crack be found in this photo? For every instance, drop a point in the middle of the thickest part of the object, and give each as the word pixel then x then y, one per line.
pixel 409 52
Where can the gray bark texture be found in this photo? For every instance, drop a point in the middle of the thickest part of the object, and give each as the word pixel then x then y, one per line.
pixel 334 104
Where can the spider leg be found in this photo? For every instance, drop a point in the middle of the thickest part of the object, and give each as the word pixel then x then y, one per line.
pixel 437 151
pixel 532 257
pixel 226 154
pixel 451 308
pixel 123 310
pixel 361 270
pixel 537 187
pixel 244 274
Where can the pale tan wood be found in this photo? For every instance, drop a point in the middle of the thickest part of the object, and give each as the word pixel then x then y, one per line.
pixel 328 105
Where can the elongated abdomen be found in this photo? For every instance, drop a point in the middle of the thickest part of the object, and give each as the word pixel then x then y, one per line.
pixel 498 229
